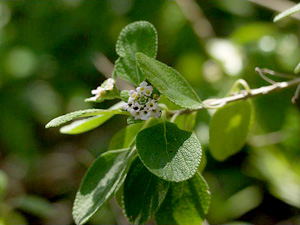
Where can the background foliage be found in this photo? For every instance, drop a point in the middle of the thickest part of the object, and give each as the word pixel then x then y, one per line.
pixel 51 55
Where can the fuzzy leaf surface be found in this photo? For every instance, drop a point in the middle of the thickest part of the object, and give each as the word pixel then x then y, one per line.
pixel 187 202
pixel 228 129
pixel 100 182
pixel 169 82
pixel 136 37
pixel 168 152
pixel 143 193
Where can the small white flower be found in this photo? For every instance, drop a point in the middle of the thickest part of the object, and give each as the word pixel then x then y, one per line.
pixel 133 95
pixel 148 90
pixel 141 105
pixel 111 81
pixel 136 106
pixel 156 113
pixel 133 112
pixel 152 105
pixel 140 90
pixel 125 106
pixel 144 115
pixel 137 115
pixel 109 87
pixel 143 84
pixel 98 92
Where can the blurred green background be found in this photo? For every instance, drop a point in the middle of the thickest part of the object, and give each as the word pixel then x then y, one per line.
pixel 53 53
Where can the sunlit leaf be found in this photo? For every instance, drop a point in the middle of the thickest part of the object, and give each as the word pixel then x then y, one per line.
pixel 169 82
pixel 168 152
pixel 83 113
pixel 84 125
pixel 100 182
pixel 187 202
pixel 143 193
pixel 186 121
pixel 124 137
pixel 228 129
pixel 287 12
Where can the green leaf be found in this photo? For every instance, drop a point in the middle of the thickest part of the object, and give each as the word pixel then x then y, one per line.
pixel 187 202
pixel 143 193
pixel 35 205
pixel 100 182
pixel 84 125
pixel 287 12
pixel 81 126
pixel 228 129
pixel 140 36
pixel 186 121
pixel 136 37
pixel 297 69
pixel 125 136
pixel 126 69
pixel 119 197
pixel 83 113
pixel 168 152
pixel 169 82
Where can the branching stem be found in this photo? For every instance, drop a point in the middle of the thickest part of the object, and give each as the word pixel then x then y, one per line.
pixel 217 103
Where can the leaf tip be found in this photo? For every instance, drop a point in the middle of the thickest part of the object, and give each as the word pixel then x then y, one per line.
pixel 276 18
pixel 48 125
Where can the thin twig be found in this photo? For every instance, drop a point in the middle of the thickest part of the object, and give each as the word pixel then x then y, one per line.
pixel 277 5
pixel 262 75
pixel 213 103
pixel 276 74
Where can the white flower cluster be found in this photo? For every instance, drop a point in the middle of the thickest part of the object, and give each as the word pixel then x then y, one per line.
pixel 100 91
pixel 141 104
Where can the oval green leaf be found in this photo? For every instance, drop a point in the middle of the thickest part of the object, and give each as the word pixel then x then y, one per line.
pixel 187 202
pixel 140 36
pixel 168 152
pixel 169 82
pixel 136 37
pixel 100 182
pixel 143 193
pixel 228 129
